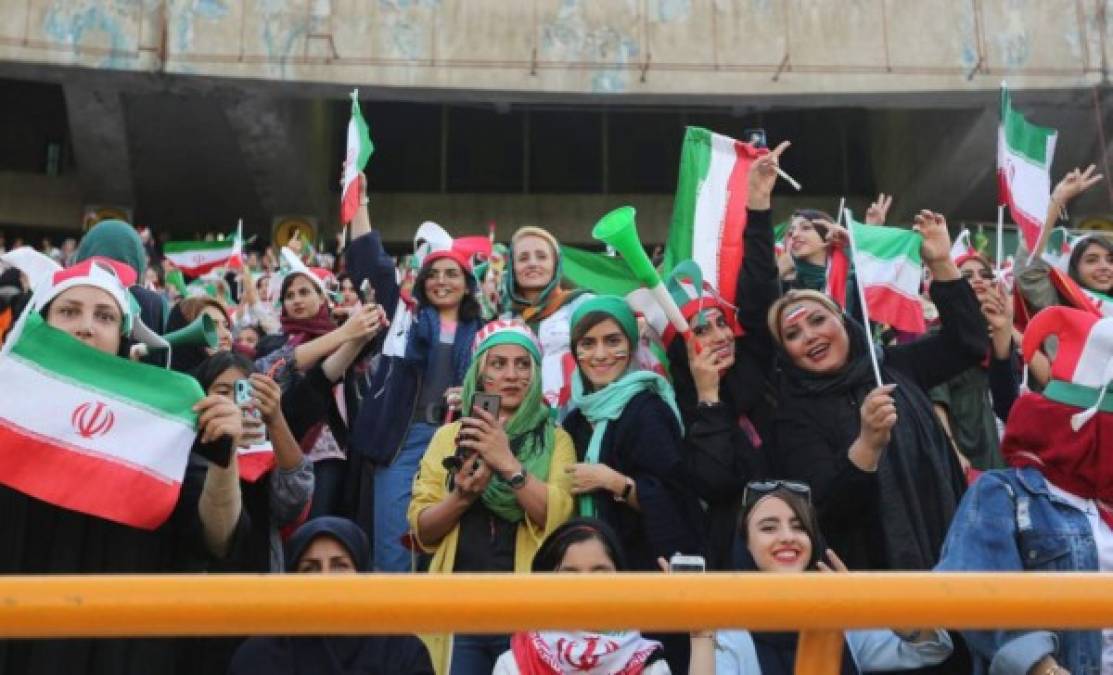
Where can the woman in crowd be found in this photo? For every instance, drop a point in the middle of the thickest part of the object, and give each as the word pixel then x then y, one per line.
pixel 492 486
pixel 1049 511
pixel 185 358
pixel 1090 265
pixel 886 481
pixel 308 337
pixel 581 546
pixel 628 435
pixel 90 302
pixel 970 404
pixel 534 293
pixel 119 241
pixel 330 545
pixel 723 377
pixel 779 533
pixel 411 397
pixel 277 497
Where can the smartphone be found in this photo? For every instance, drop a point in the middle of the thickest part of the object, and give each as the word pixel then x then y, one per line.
pixel 242 392
pixel 756 138
pixel 488 402
pixel 687 563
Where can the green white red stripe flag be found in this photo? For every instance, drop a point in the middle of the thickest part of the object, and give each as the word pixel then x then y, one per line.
pixel 889 273
pixel 1024 154
pixel 709 211
pixel 92 432
pixel 359 151
pixel 197 258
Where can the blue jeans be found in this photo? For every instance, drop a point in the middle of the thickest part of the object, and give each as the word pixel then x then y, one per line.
pixel 393 490
pixel 476 654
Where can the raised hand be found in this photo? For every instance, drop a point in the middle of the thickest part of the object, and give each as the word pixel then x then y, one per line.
pixel 217 417
pixel 705 366
pixel 763 177
pixel 1073 184
pixel 267 397
pixel 937 241
pixel 473 478
pixel 879 209
pixel 482 433
pixel 834 563
pixel 363 324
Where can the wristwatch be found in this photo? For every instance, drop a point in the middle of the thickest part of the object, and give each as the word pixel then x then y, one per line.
pixel 517 480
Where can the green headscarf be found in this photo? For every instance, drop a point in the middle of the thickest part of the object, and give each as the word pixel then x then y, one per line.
pixel 117 240
pixel 606 404
pixel 531 430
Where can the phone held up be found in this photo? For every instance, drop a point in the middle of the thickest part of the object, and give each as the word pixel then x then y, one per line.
pixel 487 402
pixel 687 563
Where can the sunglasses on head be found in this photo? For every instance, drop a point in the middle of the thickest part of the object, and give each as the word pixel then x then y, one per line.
pixel 984 274
pixel 757 489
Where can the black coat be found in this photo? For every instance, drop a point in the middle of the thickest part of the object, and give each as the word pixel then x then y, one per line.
pixel 896 517
pixel 720 456
pixel 40 538
pixel 644 443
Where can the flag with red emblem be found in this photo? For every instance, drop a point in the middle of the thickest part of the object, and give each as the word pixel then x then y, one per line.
pixel 92 432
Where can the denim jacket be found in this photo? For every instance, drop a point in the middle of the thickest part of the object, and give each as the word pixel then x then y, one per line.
pixel 1010 521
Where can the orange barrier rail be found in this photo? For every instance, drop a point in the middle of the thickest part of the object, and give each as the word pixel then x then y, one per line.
pixel 819 605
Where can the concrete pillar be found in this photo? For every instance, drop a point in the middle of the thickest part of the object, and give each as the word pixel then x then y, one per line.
pixel 100 142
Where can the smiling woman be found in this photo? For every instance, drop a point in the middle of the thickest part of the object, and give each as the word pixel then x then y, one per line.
pixel 885 481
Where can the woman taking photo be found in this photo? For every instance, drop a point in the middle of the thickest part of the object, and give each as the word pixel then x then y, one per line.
pixel 492 485
pixel 885 481
pixel 779 533
pixel 581 546
pixel 535 295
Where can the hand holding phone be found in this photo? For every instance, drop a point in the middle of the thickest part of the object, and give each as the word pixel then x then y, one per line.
pixel 687 563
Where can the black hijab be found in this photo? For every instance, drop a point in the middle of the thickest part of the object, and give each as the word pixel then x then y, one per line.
pixel 919 479
pixel 332 655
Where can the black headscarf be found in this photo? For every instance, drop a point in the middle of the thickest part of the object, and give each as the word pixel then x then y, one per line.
pixel 183 358
pixel 919 479
pixel 375 655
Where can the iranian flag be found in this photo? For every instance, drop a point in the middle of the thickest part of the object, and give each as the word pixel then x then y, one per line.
pixel 359 151
pixel 198 258
pixel 1024 153
pixel 255 461
pixel 889 272
pixel 92 432
pixel 709 211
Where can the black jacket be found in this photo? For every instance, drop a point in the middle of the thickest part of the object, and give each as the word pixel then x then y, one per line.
pixel 644 443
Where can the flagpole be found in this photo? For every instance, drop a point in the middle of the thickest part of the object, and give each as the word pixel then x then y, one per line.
pixel 862 300
pixel 1000 239
pixel 842 205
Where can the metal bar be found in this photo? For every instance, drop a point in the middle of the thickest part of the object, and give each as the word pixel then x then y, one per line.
pixel 151 605
pixel 819 652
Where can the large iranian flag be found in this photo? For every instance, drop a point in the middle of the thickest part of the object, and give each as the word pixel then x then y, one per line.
pixel 358 152
pixel 92 432
pixel 709 211
pixel 1024 154
pixel 889 273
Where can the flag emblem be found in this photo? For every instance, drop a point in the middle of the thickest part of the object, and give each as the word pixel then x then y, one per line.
pixel 90 419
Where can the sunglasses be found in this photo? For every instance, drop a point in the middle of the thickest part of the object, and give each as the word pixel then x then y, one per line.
pixel 984 274
pixel 757 489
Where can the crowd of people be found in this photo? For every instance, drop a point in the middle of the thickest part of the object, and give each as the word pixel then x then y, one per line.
pixel 467 411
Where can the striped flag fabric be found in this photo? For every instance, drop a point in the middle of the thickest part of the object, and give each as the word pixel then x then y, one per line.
pixel 889 270
pixel 709 211
pixel 1024 154
pixel 92 432
pixel 359 151
pixel 197 258
pixel 255 461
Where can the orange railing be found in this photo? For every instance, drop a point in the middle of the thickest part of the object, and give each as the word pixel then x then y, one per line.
pixel 819 605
